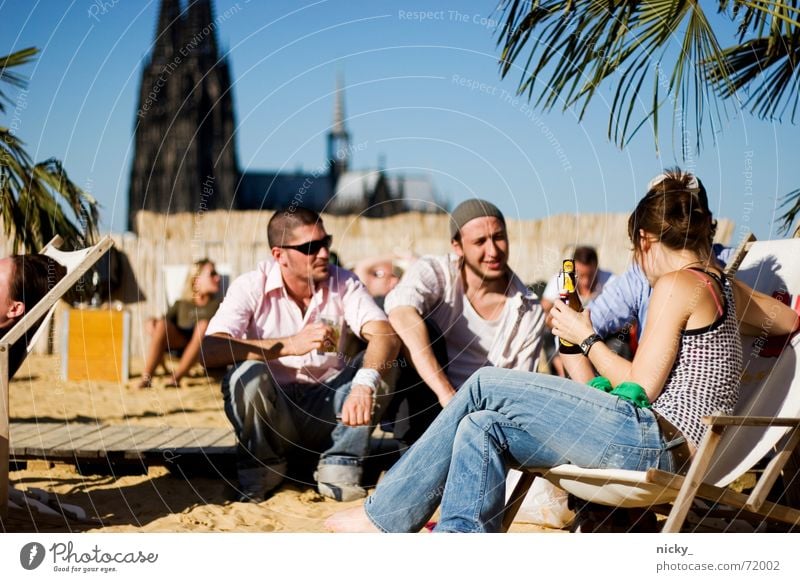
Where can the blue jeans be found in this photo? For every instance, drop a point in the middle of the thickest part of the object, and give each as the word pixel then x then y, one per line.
pixel 271 421
pixel 501 418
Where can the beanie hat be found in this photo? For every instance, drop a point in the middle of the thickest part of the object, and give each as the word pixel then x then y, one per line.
pixel 470 210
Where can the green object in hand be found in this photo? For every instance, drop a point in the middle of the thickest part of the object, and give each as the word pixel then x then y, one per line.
pixel 630 391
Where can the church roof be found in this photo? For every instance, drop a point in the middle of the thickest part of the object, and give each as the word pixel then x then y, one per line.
pixel 260 189
pixel 352 190
pixel 417 192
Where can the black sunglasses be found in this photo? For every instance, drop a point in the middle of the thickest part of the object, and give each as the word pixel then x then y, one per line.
pixel 312 247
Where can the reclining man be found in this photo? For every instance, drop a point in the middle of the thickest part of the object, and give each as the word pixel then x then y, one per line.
pixel 282 325
pixel 459 312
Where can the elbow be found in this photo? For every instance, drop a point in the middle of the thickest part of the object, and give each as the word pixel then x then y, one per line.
pixel 390 340
pixel 210 343
pixel 395 345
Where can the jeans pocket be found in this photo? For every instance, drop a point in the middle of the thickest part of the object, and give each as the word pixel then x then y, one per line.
pixel 629 457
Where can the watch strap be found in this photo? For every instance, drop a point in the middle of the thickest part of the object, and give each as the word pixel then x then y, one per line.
pixel 587 344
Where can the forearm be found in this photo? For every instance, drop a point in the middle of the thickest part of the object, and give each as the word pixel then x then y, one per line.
pixel 381 352
pixel 578 367
pixel 414 334
pixel 222 349
pixel 607 363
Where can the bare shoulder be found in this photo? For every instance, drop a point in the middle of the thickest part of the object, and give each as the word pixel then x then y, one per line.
pixel 676 283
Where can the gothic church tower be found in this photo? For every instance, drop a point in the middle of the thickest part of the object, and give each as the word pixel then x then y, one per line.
pixel 185 158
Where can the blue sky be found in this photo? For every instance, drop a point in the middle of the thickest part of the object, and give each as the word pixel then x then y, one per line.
pixel 423 94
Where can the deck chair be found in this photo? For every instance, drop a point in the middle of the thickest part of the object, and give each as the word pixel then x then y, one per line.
pixel 175 276
pixel 766 422
pixel 77 264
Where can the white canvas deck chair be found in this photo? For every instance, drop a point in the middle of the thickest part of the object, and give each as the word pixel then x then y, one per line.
pixel 766 421
pixel 77 264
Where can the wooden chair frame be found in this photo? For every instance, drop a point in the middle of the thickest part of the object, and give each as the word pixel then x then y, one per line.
pixel 655 487
pixel 77 264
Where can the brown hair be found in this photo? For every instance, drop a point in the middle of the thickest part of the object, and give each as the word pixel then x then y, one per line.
pixel 283 223
pixel 194 273
pixel 33 277
pixel 675 213
pixel 585 255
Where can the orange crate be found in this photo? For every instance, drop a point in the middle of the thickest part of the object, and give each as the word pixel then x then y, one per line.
pixel 96 344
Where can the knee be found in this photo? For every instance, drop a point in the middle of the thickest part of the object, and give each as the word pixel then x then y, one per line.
pixel 251 381
pixel 483 426
pixel 159 328
pixel 480 421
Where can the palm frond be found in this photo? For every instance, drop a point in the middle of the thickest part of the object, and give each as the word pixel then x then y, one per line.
pixel 39 201
pixel 792 204
pixel 573 56
pixel 8 76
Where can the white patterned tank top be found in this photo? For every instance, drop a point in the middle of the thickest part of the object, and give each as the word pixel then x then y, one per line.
pixel 705 376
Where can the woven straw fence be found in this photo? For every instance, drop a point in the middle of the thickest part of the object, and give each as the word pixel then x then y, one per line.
pixel 236 241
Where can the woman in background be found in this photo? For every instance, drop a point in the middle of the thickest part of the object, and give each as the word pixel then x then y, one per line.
pixel 184 325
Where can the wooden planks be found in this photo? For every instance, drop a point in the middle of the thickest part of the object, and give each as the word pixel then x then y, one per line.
pixel 94 441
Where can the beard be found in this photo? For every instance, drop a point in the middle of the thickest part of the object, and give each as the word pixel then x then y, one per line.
pixel 320 273
pixel 484 275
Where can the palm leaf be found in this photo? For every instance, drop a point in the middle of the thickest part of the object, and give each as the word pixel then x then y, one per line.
pixel 10 77
pixel 575 48
pixel 38 201
pixel 792 203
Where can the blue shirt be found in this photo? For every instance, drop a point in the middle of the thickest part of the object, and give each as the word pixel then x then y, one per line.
pixel 627 297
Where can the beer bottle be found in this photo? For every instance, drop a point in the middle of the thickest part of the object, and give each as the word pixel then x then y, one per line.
pixel 569 295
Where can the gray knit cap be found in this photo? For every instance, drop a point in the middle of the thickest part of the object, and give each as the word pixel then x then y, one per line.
pixel 470 210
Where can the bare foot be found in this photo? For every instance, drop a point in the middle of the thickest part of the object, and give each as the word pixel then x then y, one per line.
pixel 146 382
pixel 353 520
pixel 173 383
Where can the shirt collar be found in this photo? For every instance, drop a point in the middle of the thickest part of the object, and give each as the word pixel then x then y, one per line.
pixel 274 279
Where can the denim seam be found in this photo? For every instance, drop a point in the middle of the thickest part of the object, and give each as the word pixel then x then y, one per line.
pixel 476 512
pixel 372 519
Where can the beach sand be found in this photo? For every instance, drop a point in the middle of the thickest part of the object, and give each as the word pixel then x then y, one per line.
pixel 159 501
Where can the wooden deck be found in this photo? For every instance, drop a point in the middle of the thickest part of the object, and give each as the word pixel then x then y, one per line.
pixel 94 442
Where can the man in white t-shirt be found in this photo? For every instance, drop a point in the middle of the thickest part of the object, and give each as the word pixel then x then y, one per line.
pixel 459 312
pixel 590 278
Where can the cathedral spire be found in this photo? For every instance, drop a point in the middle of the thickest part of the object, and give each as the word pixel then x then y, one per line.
pixel 338 138
pixel 200 29
pixel 167 31
pixel 185 155
pixel 338 107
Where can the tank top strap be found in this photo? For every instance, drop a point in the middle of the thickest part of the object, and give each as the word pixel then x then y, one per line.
pixel 707 282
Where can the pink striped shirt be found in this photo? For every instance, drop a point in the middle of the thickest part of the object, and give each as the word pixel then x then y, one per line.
pixel 257 306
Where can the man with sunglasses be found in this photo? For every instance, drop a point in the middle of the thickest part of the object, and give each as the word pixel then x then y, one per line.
pixel 290 384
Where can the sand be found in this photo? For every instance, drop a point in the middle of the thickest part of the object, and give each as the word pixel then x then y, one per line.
pixel 159 501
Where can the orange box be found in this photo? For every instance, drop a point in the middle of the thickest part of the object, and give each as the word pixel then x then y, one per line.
pixel 96 344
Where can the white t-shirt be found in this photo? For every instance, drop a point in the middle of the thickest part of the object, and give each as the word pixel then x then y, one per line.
pixel 603 278
pixel 471 339
pixel 433 286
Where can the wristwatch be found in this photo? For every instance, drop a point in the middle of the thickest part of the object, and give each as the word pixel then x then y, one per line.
pixel 587 344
